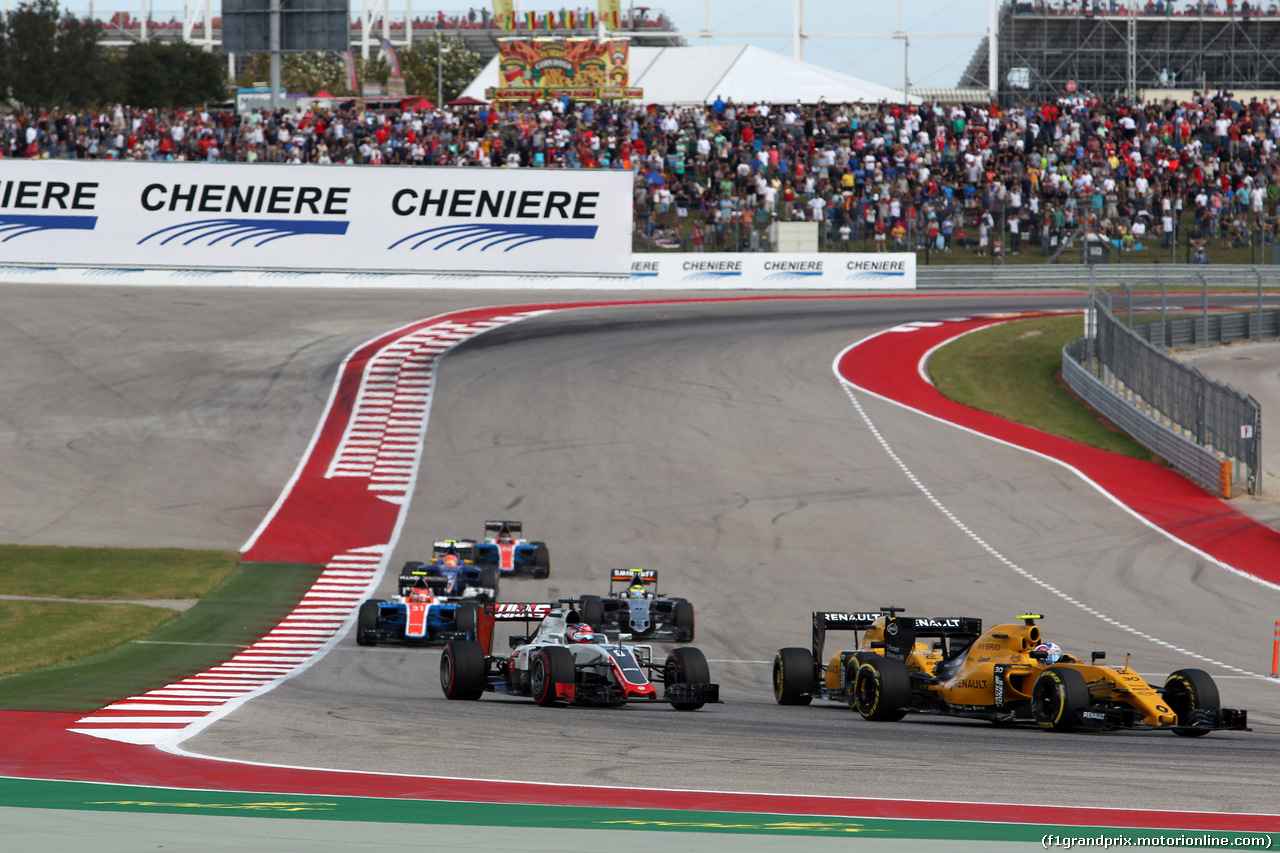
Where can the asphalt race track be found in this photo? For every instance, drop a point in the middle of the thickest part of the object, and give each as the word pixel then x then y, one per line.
pixel 711 441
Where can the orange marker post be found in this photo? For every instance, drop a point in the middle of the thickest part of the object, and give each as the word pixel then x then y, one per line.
pixel 1275 654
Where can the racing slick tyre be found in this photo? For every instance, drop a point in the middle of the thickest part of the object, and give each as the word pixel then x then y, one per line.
pixel 1056 696
pixel 592 611
pixel 466 620
pixel 541 562
pixel 489 579
pixel 686 666
pixel 462 670
pixel 1189 690
pixel 881 689
pixel 551 666
pixel 367 623
pixel 682 617
pixel 793 677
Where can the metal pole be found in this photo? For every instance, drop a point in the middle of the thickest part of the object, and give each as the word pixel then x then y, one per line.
pixel 1091 319
pixel 1164 319
pixel 1131 80
pixel 1129 290
pixel 993 73
pixel 439 70
pixel 1259 329
pixel 273 44
pixel 1205 290
pixel 906 76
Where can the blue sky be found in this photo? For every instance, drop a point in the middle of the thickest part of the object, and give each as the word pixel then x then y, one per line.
pixel 933 62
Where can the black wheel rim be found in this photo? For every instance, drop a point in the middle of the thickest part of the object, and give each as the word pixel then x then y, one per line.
pixel 866 690
pixel 537 680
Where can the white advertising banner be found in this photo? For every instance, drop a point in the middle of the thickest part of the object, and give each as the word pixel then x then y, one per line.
pixel 727 271
pixel 224 216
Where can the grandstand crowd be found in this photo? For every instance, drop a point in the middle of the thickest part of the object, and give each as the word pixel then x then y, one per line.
pixel 879 177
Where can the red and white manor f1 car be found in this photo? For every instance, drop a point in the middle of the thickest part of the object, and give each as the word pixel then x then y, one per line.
pixel 568 661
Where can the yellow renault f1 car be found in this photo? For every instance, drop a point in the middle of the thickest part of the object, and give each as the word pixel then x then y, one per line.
pixel 1005 674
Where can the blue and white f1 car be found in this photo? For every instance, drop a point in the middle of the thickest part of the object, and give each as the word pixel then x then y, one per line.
pixel 504 547
pixel 451 573
pixel 420 618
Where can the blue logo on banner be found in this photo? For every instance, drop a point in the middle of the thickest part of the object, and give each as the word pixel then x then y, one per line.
pixel 712 274
pixel 644 275
pixel 18 224
pixel 492 235
pixel 877 274
pixel 217 230
pixel 794 274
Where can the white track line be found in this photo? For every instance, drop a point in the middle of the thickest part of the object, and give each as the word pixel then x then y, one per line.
pixel 982 543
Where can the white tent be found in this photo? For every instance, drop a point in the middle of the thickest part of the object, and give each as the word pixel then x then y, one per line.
pixel 741 73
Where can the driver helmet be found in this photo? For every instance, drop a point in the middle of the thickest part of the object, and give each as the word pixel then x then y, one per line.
pixel 504 535
pixel 1051 652
pixel 420 593
pixel 451 560
pixel 581 633
pixel 636 590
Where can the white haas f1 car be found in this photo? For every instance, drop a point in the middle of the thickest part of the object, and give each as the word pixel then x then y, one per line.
pixel 567 661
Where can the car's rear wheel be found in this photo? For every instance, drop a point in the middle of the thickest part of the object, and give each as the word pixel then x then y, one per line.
pixel 489 578
pixel 1056 696
pixel 367 623
pixel 466 620
pixel 687 666
pixel 881 689
pixel 551 667
pixel 682 616
pixel 1190 690
pixel 541 562
pixel 462 670
pixel 793 677
pixel 592 611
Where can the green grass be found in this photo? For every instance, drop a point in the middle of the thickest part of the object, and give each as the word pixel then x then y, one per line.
pixel 1012 370
pixel 117 662
pixel 111 573
pixel 44 633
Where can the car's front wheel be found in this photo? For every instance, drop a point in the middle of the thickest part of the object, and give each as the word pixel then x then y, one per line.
pixel 367 623
pixel 687 666
pixel 1190 690
pixel 1056 696
pixel 552 666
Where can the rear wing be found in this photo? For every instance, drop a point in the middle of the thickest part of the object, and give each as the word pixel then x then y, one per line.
pixel 513 611
pixel 643 575
pixel 946 628
pixel 465 548
pixel 515 528
pixel 630 576
pixel 508 611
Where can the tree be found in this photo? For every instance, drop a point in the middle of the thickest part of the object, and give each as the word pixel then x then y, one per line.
pixel 460 66
pixel 166 75
pixel 309 73
pixel 48 61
